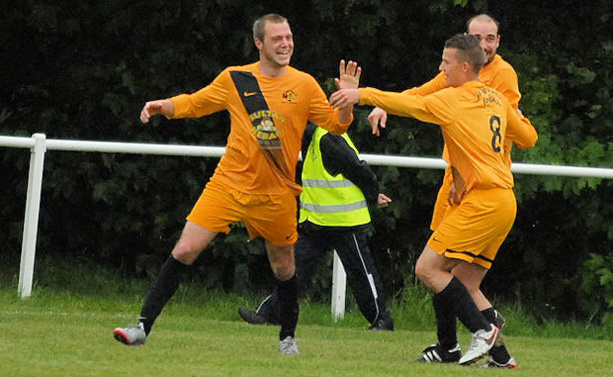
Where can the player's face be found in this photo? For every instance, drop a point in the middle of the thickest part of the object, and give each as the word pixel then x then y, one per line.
pixel 453 68
pixel 487 32
pixel 278 44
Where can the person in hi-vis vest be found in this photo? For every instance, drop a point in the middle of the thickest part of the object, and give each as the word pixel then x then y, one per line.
pixel 337 187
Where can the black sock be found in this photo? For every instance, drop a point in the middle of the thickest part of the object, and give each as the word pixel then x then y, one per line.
pixel 492 316
pixel 164 287
pixel 499 353
pixel 456 294
pixel 446 322
pixel 288 305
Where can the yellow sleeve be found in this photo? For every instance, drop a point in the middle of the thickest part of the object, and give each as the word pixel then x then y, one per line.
pixel 437 83
pixel 520 130
pixel 430 109
pixel 322 113
pixel 208 100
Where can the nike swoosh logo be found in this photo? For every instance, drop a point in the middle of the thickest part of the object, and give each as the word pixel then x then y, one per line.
pixel 492 338
pixel 249 94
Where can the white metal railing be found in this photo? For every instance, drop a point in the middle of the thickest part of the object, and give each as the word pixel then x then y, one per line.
pixel 39 144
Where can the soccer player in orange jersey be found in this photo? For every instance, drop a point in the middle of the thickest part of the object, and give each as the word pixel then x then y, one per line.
pixel 270 104
pixel 476 121
pixel 496 73
pixel 500 75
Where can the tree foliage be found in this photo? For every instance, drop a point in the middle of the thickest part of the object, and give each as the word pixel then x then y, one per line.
pixel 82 70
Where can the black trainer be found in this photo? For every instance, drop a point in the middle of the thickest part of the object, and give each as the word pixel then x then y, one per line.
pixel 511 364
pixel 382 325
pixel 437 354
pixel 252 317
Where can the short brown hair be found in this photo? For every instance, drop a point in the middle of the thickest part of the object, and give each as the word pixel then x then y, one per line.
pixel 260 23
pixel 469 49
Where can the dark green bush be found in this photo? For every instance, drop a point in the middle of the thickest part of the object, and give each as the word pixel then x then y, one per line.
pixel 82 70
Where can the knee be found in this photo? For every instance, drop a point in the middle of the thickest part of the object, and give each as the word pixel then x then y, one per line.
pixel 470 276
pixel 284 270
pixel 185 252
pixel 423 272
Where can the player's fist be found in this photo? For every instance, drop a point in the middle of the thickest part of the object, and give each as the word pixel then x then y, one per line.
pixel 383 201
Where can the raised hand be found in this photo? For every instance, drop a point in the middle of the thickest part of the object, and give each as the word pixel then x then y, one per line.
pixel 349 75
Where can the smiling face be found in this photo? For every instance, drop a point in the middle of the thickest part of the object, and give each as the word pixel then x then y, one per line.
pixel 487 32
pixel 277 45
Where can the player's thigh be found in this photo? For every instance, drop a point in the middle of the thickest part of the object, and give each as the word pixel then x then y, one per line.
pixel 274 218
pixel 193 240
pixel 475 229
pixel 216 209
pixel 442 204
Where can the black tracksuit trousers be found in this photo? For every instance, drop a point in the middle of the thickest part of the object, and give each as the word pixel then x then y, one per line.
pixel 351 245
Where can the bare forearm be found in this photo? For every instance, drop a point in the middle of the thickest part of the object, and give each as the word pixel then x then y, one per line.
pixel 345 114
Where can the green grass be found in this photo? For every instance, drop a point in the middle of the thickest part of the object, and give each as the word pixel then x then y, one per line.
pixel 65 329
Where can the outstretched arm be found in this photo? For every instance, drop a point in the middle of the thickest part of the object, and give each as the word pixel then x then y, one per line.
pixel 345 97
pixel 378 117
pixel 428 109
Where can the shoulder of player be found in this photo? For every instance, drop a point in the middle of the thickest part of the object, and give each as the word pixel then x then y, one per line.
pixel 490 95
pixel 448 92
pixel 502 65
pixel 444 98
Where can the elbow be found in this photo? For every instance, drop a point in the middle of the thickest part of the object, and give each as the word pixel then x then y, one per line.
pixel 534 140
pixel 528 143
pixel 339 129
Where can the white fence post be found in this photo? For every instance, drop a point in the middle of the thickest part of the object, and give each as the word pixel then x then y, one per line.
pixel 339 284
pixel 30 226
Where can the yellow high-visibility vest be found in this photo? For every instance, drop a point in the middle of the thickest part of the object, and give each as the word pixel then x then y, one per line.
pixel 328 200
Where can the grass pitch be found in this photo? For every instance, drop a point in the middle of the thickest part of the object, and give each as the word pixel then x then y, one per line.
pixel 60 333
